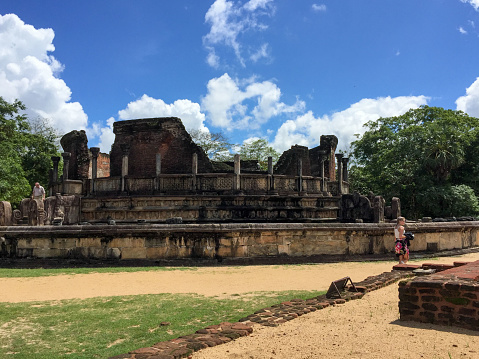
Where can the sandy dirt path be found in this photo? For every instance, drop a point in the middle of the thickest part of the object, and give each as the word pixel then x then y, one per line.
pixel 367 328
pixel 210 281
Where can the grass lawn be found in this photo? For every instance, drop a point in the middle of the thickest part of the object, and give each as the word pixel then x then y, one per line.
pixel 108 326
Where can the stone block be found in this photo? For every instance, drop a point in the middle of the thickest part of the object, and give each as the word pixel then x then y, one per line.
pixel 49 253
pixel 419 243
pixel 269 238
pixel 133 253
pixel 283 249
pixel 88 242
pixel 156 252
pixel 130 242
pixel 37 243
pixel 264 250
pixel 450 240
pixel 64 243
pixel 156 242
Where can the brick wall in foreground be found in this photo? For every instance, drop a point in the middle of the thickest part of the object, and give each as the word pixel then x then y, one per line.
pixel 449 297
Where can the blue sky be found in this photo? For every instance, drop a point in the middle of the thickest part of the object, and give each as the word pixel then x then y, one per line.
pixel 288 71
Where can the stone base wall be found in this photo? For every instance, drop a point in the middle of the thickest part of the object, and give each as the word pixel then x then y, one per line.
pixel 217 241
pixel 450 297
pixel 210 209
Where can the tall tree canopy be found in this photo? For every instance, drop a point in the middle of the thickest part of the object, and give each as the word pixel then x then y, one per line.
pixel 25 151
pixel 424 157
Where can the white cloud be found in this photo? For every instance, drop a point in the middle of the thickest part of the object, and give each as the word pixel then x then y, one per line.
pixel 228 21
pixel 474 3
pixel 470 102
pixel 319 7
pixel 263 52
pixel 107 137
pixel 29 73
pixel 228 102
pixel 462 31
pixel 306 129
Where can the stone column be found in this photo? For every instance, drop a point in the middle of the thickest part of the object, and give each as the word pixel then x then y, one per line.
pixel 323 156
pixel 339 157
pixel 270 175
pixel 194 171
pixel 300 175
pixel 125 149
pixel 94 167
pixel 56 161
pixel 345 169
pixel 158 164
pixel 158 173
pixel 66 163
pixel 237 173
pixel 54 174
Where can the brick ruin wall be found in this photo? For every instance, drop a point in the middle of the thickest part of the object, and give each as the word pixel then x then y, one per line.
pixel 449 297
pixel 145 138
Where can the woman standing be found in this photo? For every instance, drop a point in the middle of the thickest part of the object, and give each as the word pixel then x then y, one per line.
pixel 401 249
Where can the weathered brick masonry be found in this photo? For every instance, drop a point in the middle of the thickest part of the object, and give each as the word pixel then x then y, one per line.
pixel 449 297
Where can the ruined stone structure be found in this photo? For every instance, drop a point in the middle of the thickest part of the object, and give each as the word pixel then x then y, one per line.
pixel 155 172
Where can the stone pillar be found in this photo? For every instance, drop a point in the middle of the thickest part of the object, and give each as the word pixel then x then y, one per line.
pixel 125 150
pixel 194 171
pixel 66 164
pixel 94 167
pixel 237 173
pixel 54 174
pixel 270 175
pixel 396 207
pixel 345 169
pixel 158 173
pixel 300 175
pixel 56 161
pixel 323 156
pixel 339 157
pixel 158 164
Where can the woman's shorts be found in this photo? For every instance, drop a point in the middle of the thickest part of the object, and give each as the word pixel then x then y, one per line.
pixel 401 248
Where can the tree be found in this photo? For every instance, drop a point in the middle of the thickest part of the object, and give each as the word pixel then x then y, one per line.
pixel 218 148
pixel 260 150
pixel 410 155
pixel 216 144
pixel 25 151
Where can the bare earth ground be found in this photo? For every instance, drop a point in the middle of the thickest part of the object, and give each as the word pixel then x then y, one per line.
pixel 366 328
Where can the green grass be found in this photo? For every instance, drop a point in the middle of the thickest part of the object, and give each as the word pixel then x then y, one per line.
pixel 108 326
pixel 41 272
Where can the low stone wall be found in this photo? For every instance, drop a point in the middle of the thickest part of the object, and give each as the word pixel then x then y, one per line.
pixel 450 297
pixel 221 241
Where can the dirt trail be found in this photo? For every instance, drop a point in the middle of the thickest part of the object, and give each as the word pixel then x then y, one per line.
pixel 367 328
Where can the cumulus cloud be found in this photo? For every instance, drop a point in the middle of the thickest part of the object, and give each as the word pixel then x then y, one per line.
pixel 149 107
pixel 474 3
pixel 243 104
pixel 462 31
pixel 470 102
pixel 307 129
pixel 30 73
pixel 228 21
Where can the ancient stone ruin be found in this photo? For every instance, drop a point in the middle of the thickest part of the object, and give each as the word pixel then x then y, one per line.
pixel 156 173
